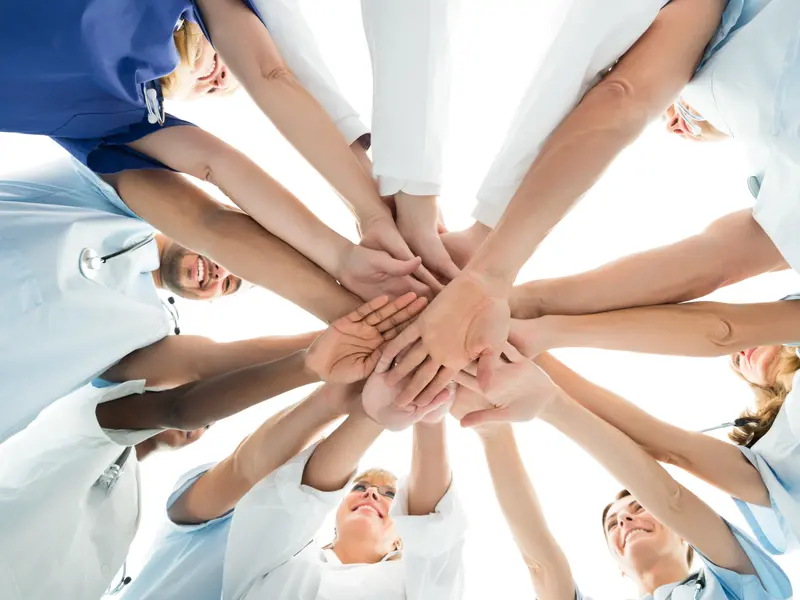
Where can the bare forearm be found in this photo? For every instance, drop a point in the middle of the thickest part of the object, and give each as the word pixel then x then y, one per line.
pixel 716 462
pixel 692 329
pixel 430 468
pixel 337 456
pixel 549 568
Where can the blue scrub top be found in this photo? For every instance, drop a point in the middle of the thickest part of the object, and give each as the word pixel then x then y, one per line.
pixel 74 69
pixel 186 561
pixel 738 13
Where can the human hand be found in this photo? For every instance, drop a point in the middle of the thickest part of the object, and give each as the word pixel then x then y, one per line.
pixel 350 348
pixel 371 273
pixel 418 222
pixel 462 245
pixel 519 391
pixel 378 402
pixel 469 317
pixel 381 233
pixel 467 401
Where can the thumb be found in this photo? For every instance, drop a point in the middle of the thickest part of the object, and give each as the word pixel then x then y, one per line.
pixel 397 268
pixel 489 415
pixel 488 362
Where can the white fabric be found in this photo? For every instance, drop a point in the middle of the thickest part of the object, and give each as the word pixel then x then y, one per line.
pixel 62 536
pixel 292 35
pixel 592 36
pixel 749 89
pixel 409 43
pixel 272 553
pixel 59 330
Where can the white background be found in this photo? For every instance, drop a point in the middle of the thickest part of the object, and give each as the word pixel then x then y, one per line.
pixel 658 191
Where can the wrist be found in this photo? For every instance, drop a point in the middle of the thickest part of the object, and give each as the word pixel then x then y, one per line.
pixel 557 410
pixel 336 262
pixel 491 433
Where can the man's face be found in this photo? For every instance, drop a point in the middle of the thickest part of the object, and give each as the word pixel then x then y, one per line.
pixel 636 540
pixel 195 277
pixel 679 121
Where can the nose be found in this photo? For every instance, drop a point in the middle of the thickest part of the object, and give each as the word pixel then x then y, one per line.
pixel 218 271
pixel 221 80
pixel 674 124
pixel 371 492
pixel 623 519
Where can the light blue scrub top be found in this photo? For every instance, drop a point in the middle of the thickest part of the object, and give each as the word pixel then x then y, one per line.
pixel 186 561
pixel 722 584
pixel 58 329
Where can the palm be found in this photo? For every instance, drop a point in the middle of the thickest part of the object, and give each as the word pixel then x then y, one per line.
pixel 378 401
pixel 370 273
pixel 468 401
pixel 350 348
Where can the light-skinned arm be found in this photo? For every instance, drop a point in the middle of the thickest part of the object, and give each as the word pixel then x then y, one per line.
pixel 430 475
pixel 280 438
pixel 731 249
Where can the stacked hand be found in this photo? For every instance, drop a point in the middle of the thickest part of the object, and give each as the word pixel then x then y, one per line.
pixel 370 273
pixel 519 390
pixel 378 401
pixel 350 348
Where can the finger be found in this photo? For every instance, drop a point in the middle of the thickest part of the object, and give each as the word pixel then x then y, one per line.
pixel 447 267
pixel 415 357
pixel 488 415
pixel 369 364
pixel 409 312
pixel 488 362
pixel 469 382
pixel 426 277
pixel 397 268
pixel 369 307
pixel 512 354
pixel 439 382
pixel 440 400
pixel 393 348
pixel 471 368
pixel 390 308
pixel 419 288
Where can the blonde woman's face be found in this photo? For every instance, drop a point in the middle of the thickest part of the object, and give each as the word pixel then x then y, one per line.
pixel 758 365
pixel 206 76
pixel 364 512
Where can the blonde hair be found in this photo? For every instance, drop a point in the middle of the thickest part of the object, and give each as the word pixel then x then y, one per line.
pixel 188 40
pixel 769 400
pixel 370 475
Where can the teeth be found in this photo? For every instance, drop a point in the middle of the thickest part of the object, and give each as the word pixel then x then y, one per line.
pixel 630 533
pixel 200 270
pixel 211 69
pixel 369 508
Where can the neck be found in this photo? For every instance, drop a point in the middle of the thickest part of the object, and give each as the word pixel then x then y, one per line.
pixel 357 552
pixel 163 243
pixel 145 449
pixel 661 573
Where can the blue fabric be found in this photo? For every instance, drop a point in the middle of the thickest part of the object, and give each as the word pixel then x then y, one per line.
pixel 73 70
pixel 737 14
pixel 186 561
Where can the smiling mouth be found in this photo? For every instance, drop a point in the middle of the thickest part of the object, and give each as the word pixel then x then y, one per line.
pixel 370 508
pixel 212 71
pixel 203 274
pixel 631 533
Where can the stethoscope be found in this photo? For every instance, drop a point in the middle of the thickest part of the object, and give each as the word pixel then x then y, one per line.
pixel 691 118
pixel 699 581
pixel 90 263
pixel 154 102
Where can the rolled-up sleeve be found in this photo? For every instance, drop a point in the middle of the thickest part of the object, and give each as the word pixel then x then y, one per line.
pixel 272 523
pixel 291 33
pixel 592 36
pixel 433 547
pixel 409 44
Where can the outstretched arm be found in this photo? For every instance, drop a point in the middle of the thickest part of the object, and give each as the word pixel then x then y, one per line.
pixel 691 329
pixel 719 463
pixel 430 468
pixel 188 215
pixel 280 438
pixel 729 250
pixel 177 360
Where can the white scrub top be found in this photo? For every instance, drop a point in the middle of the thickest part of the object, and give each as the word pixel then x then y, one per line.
pixel 722 584
pixel 592 36
pixel 58 329
pixel 185 560
pixel 272 554
pixel 777 458
pixel 63 534
pixel 749 89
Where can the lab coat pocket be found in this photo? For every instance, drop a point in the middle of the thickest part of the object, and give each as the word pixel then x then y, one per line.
pixel 20 293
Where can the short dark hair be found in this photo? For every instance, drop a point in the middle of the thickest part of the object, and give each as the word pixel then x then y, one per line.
pixel 625 494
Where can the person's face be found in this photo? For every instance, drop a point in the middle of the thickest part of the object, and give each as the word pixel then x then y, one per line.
pixel 364 512
pixel 636 540
pixel 678 123
pixel 759 365
pixel 175 439
pixel 195 277
pixel 207 76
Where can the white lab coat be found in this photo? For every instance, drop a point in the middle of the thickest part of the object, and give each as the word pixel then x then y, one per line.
pixel 750 89
pixel 62 535
pixel 272 554
pixel 58 329
pixel 592 36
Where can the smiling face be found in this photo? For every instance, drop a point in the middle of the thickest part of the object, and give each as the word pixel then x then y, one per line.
pixel 364 512
pixel 193 276
pixel 683 120
pixel 638 541
pixel 758 366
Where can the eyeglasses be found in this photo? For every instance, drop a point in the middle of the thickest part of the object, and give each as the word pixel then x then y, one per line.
pixel 386 491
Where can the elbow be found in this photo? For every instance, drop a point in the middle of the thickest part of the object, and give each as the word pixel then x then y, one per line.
pixel 626 110
pixel 721 335
pixel 178 415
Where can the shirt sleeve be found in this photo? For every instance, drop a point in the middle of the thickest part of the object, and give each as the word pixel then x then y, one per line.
pixel 111 155
pixel 186 481
pixel 289 29
pixel 409 44
pixel 771 583
pixel 433 546
pixel 590 40
pixel 272 523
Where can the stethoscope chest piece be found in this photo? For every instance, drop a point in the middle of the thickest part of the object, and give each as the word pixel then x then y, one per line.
pixel 754 185
pixel 89 263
